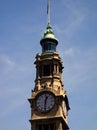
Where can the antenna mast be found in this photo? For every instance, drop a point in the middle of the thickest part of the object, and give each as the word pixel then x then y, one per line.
pixel 48 11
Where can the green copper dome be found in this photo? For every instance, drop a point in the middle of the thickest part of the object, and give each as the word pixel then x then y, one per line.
pixel 49 33
pixel 48 42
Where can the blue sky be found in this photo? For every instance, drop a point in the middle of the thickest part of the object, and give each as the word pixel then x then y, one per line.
pixel 22 24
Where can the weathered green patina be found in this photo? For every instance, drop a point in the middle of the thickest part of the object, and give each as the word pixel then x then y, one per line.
pixel 49 33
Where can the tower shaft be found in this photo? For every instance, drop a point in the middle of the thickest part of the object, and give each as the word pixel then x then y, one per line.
pixel 49 101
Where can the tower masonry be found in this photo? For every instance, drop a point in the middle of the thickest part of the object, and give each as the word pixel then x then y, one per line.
pixel 49 101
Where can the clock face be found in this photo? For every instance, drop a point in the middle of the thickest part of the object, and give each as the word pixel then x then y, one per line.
pixel 45 101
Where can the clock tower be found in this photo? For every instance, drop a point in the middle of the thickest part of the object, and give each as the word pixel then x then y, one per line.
pixel 49 101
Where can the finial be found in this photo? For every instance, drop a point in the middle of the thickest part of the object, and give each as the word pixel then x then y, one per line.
pixel 48 11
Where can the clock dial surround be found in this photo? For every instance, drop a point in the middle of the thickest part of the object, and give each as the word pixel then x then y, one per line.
pixel 45 101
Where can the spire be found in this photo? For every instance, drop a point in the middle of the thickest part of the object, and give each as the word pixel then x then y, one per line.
pixel 48 41
pixel 48 11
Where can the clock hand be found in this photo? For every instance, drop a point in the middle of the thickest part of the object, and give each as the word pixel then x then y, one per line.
pixel 45 102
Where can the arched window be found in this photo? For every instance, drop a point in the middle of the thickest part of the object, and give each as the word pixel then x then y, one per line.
pixel 46 70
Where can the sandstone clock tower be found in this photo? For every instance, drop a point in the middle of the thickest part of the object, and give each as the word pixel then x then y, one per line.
pixel 49 101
